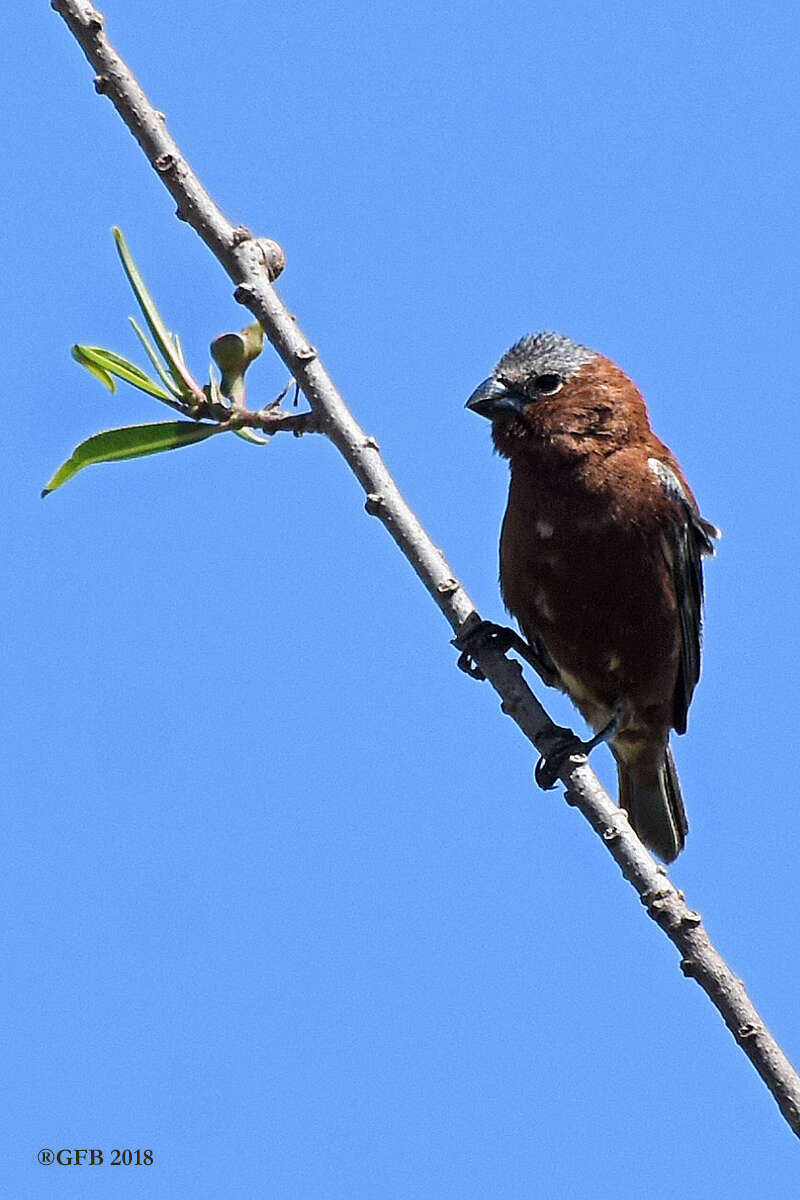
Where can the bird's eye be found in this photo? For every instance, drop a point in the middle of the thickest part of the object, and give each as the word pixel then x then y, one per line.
pixel 548 385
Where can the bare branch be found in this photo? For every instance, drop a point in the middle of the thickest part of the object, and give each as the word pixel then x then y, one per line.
pixel 253 264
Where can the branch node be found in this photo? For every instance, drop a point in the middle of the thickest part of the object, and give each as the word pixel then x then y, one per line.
pixel 305 353
pixel 374 504
pixel 272 256
pixel 164 163
pixel 691 918
pixel 690 968
pixel 662 911
pixel 370 443
pixel 655 896
pixel 447 587
pixel 244 294
pixel 747 1030
pixel 91 19
pixel 611 834
pixel 101 84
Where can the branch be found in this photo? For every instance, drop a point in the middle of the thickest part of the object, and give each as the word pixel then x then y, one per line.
pixel 253 264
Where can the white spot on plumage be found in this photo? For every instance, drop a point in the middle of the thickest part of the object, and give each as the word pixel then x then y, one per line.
pixel 596 713
pixel 542 604
pixel 668 480
pixel 573 685
pixel 544 529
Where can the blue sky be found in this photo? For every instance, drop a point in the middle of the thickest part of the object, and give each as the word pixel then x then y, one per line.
pixel 281 900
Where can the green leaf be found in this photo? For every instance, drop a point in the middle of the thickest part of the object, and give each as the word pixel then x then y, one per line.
pixel 93 369
pixel 249 436
pixel 166 342
pixel 133 441
pixel 103 364
pixel 152 354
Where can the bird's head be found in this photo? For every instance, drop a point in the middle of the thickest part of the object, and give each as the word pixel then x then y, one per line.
pixel 549 387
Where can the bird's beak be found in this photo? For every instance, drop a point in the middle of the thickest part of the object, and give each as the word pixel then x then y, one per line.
pixel 493 399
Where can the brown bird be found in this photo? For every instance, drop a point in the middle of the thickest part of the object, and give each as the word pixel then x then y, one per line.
pixel 601 563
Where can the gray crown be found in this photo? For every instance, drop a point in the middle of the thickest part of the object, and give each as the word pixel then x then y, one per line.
pixel 545 353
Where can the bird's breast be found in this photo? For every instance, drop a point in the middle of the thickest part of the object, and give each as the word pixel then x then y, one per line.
pixel 582 570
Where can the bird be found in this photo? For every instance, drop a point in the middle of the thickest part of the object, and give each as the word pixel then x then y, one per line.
pixel 601 564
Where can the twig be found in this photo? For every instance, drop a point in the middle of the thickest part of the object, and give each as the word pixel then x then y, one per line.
pixel 253 264
pixel 272 420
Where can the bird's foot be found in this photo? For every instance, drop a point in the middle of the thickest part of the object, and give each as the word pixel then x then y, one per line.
pixel 551 764
pixel 484 634
pixel 487 633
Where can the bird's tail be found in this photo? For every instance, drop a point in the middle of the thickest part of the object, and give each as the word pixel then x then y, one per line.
pixel 654 804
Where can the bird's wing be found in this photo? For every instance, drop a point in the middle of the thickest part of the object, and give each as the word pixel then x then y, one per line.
pixel 685 543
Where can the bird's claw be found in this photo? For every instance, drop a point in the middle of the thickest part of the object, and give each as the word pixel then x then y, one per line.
pixel 480 636
pixel 467 664
pixel 504 639
pixel 550 765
